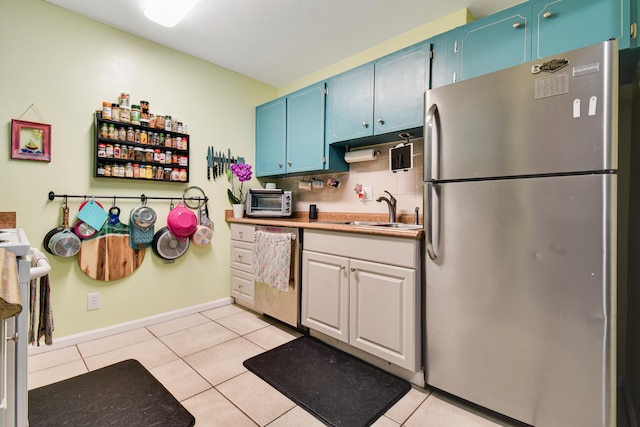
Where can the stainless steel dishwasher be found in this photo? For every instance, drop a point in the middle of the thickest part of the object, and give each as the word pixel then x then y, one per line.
pixel 282 305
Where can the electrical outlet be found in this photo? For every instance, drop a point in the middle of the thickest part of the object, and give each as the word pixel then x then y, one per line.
pixel 93 301
pixel 368 193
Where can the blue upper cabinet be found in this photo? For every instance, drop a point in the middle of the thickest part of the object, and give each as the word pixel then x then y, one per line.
pixel 400 82
pixel 537 29
pixel 305 129
pixel 563 25
pixel 290 135
pixel 379 98
pixel 350 104
pixel 271 137
pixel 492 43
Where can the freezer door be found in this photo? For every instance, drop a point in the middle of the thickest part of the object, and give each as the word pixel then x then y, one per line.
pixel 517 122
pixel 520 299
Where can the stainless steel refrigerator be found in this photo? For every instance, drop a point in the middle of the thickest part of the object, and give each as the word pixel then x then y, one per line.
pixel 521 199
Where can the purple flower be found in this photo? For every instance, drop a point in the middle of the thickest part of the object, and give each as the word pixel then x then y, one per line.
pixel 243 172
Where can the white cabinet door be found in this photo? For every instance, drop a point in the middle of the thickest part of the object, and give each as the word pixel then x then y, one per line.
pixel 325 294
pixel 383 312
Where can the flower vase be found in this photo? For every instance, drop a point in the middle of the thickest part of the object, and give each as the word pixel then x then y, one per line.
pixel 238 210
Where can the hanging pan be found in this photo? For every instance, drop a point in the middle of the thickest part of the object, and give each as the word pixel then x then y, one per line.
pixel 52 232
pixel 204 231
pixel 167 246
pixel 65 243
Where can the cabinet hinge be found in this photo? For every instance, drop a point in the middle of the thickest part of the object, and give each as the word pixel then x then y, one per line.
pixel 455 46
pixel 634 30
pixel 455 77
pixel 432 54
pixel 324 160
pixel 326 91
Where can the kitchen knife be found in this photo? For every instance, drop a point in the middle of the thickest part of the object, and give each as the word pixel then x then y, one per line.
pixel 209 163
pixel 228 158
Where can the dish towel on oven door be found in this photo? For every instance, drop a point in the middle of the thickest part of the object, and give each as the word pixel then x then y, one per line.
pixel 272 258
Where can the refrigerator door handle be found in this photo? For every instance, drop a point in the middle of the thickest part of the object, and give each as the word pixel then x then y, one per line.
pixel 432 249
pixel 431 130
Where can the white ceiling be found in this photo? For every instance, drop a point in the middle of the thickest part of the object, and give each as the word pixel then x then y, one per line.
pixel 279 41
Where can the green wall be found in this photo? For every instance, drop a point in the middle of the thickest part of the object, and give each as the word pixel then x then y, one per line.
pixel 66 65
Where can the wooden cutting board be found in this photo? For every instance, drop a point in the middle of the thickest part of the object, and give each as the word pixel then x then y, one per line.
pixel 109 257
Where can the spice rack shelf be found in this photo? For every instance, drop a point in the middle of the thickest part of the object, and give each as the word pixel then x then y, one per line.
pixel 118 155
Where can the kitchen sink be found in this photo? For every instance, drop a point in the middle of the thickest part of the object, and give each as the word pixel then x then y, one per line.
pixel 378 224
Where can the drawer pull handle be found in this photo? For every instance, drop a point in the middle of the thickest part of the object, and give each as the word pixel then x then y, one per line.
pixel 364 124
pixel 380 121
pixel 13 338
pixel 353 270
pixel 517 24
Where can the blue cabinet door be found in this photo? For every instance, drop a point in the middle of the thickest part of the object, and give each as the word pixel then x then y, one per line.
pixel 400 82
pixel 493 43
pixel 563 25
pixel 441 73
pixel 305 129
pixel 271 137
pixel 350 105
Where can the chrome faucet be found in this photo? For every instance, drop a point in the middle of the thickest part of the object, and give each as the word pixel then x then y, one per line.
pixel 391 203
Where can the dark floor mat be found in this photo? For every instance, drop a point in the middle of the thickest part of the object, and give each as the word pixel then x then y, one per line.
pixel 336 387
pixel 123 394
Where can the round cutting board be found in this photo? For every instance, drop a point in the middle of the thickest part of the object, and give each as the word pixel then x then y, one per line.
pixel 109 257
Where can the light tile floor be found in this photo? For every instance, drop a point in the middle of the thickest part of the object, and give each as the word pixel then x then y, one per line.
pixel 199 360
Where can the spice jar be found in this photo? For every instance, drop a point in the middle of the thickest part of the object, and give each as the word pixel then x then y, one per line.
pixel 177 143
pixel 124 152
pixel 128 170
pixel 175 174
pixel 115 112
pixel 183 161
pixel 112 132
pixel 138 154
pixel 183 174
pixel 159 173
pixel 167 174
pixel 143 137
pixel 106 110
pixel 148 155
pixel 136 170
pixel 167 122
pixel 149 172
pixel 122 133
pixel 102 150
pixel 109 151
pixel 125 114
pixel 107 169
pixel 167 157
pixel 168 141
pixel 156 155
pixel 160 121
pixel 152 120
pixel 100 169
pixel 135 114
pixel 136 136
pixel 116 151
pixel 131 135
pixel 104 131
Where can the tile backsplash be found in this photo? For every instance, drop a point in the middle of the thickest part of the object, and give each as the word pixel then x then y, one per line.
pixel 405 186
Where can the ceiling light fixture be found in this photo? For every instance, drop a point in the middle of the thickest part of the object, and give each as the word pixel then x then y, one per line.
pixel 168 12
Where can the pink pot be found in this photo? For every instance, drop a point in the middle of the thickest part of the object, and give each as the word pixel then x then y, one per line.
pixel 182 221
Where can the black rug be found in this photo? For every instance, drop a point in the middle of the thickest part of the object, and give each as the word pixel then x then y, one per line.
pixel 123 394
pixel 339 389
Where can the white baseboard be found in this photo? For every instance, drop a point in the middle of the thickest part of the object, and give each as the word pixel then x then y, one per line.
pixel 127 326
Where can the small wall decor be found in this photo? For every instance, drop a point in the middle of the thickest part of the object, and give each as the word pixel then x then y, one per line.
pixel 30 140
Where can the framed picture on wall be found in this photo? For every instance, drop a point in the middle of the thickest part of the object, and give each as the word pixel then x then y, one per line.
pixel 30 140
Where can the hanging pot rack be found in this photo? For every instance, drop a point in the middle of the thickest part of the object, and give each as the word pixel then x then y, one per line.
pixel 143 198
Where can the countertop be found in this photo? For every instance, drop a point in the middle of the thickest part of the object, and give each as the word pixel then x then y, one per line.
pixel 301 220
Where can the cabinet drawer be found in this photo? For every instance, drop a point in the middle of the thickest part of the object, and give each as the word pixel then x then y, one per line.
pixel 388 250
pixel 242 256
pixel 242 232
pixel 242 287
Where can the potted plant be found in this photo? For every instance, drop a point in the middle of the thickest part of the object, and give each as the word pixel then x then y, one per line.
pixel 241 171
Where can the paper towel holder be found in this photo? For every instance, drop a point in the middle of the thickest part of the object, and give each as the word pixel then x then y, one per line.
pixel 364 155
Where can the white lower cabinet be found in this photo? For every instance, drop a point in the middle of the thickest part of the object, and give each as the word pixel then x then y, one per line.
pixel 241 273
pixel 364 290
